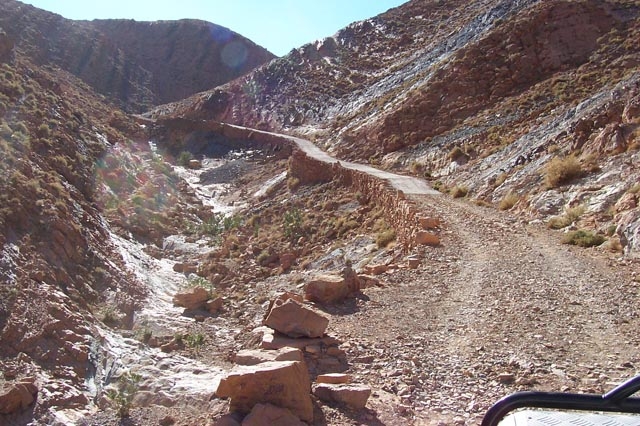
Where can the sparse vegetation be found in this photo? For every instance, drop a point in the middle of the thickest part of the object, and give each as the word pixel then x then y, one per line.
pixel 570 216
pixel 583 238
pixel 194 341
pixel 122 397
pixel 508 201
pixel 459 191
pixel 561 170
pixel 292 222
pixel 184 158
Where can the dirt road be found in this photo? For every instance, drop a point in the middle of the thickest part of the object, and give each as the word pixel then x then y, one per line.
pixel 499 307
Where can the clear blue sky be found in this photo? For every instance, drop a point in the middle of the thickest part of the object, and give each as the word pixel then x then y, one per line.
pixel 277 25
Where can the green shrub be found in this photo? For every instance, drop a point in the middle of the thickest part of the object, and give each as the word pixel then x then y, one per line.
pixel 583 238
pixel 562 170
pixel 184 158
pixel 292 222
pixel 122 398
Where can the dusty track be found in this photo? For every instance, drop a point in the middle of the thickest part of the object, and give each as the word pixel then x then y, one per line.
pixel 499 307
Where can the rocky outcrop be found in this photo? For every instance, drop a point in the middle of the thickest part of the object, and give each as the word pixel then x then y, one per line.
pixel 328 289
pixel 354 396
pixel 283 383
pixel 191 298
pixel 258 356
pixel 296 320
pixel 17 396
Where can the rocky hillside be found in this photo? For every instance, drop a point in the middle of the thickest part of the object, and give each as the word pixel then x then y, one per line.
pixel 141 255
pixel 136 65
pixel 479 96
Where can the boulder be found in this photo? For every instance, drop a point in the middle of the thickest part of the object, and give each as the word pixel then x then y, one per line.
pixel 268 414
pixel 192 298
pixel 214 305
pixel 276 341
pixel 427 223
pixel 17 397
pixel 413 261
pixel 296 320
pixel 368 281
pixel 281 383
pixel 376 269
pixel 427 238
pixel 258 356
pixel 354 396
pixel 326 289
pixel 287 260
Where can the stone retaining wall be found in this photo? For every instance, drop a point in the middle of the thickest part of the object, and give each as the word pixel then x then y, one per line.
pixel 399 211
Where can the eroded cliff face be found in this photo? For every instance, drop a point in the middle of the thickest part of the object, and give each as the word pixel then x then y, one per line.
pixel 136 65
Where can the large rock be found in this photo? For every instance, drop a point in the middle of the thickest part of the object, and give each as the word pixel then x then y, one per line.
pixel 283 383
pixel 427 238
pixel 355 396
pixel 258 356
pixel 326 289
pixel 17 397
pixel 268 414
pixel 192 298
pixel 296 320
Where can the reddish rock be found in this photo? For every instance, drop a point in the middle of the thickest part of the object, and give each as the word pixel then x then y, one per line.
pixel 258 356
pixel 192 298
pixel 214 305
pixel 296 320
pixel 17 397
pixel 368 281
pixel 376 269
pixel 326 289
pixel 355 396
pixel 277 341
pixel 427 238
pixel 283 383
pixel 413 262
pixel 268 414
pixel 286 260
pixel 628 201
pixel 428 223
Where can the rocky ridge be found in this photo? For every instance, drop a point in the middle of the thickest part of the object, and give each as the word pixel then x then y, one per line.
pixel 136 65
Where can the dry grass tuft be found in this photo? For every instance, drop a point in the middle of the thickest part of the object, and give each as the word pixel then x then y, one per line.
pixel 562 170
pixel 509 201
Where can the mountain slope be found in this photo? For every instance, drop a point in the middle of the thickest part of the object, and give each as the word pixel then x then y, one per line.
pixel 135 64
pixel 467 94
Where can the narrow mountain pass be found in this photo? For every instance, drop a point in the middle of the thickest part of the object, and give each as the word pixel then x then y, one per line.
pixel 500 306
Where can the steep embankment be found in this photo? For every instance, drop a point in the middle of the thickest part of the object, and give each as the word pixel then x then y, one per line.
pixel 134 64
